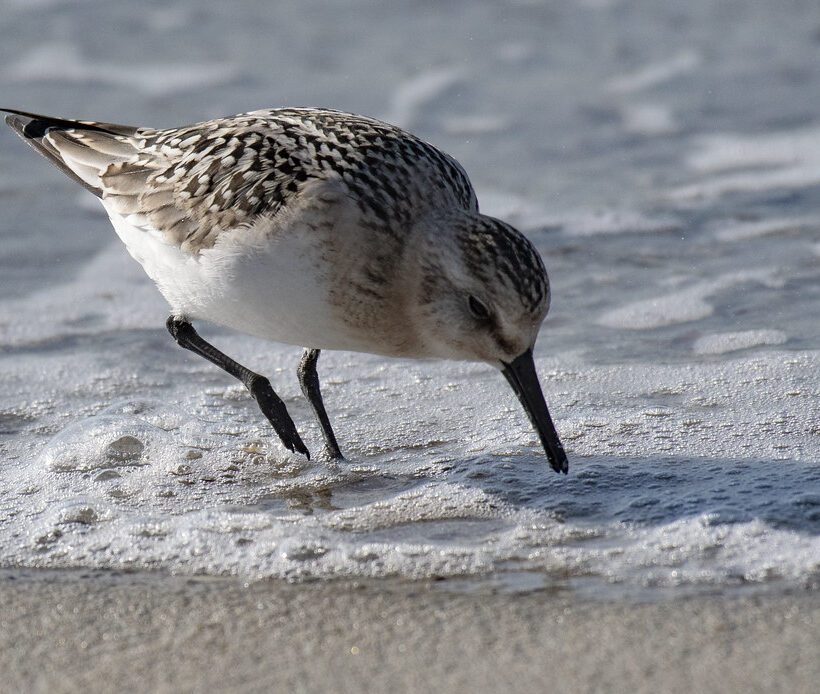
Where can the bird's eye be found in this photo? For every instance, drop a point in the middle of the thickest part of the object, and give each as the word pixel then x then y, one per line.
pixel 478 309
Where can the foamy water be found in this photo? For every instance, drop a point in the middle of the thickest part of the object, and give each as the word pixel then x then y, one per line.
pixel 680 226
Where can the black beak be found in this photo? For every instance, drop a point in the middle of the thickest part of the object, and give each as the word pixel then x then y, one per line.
pixel 520 373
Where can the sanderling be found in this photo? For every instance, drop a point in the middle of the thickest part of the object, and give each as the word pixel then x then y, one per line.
pixel 315 228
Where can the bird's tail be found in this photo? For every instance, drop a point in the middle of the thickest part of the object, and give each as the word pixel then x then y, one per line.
pixel 80 149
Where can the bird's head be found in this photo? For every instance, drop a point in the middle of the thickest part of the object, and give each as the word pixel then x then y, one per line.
pixel 482 293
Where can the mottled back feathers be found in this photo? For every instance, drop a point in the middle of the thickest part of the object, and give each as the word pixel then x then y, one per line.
pixel 196 182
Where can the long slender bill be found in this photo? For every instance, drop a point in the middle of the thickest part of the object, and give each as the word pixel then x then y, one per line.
pixel 520 373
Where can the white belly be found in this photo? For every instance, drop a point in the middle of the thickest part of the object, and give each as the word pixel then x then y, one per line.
pixel 263 284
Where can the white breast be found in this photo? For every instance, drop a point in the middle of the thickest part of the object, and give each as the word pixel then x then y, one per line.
pixel 260 281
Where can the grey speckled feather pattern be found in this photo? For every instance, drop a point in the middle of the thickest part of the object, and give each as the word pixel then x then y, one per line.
pixel 195 182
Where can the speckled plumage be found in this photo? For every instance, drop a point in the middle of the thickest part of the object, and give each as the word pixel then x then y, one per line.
pixel 198 181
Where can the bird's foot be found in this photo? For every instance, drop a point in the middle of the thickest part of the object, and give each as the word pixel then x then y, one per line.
pixel 277 414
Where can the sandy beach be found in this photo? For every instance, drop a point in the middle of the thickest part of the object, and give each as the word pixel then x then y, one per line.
pixel 71 632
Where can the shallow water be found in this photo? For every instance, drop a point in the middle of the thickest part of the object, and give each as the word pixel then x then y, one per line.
pixel 664 159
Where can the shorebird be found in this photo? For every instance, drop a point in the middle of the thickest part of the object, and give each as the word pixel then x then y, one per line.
pixel 315 228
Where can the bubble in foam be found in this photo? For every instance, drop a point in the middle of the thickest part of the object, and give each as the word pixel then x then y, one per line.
pixel 101 443
pixel 79 512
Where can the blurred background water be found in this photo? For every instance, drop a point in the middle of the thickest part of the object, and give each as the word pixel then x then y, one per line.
pixel 663 156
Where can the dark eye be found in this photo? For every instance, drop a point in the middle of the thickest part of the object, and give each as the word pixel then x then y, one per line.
pixel 478 309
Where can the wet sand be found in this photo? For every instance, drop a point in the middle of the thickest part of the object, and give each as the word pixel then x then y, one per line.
pixel 70 632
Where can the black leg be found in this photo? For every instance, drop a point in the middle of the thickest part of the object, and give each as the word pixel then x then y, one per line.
pixel 309 380
pixel 269 402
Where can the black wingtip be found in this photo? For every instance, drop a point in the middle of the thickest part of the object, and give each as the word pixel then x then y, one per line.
pixel 33 126
pixel 28 125
pixel 35 129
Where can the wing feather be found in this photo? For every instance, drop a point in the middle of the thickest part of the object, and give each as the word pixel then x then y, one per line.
pixel 193 183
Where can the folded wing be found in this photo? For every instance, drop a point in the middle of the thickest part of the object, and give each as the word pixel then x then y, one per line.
pixel 189 184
